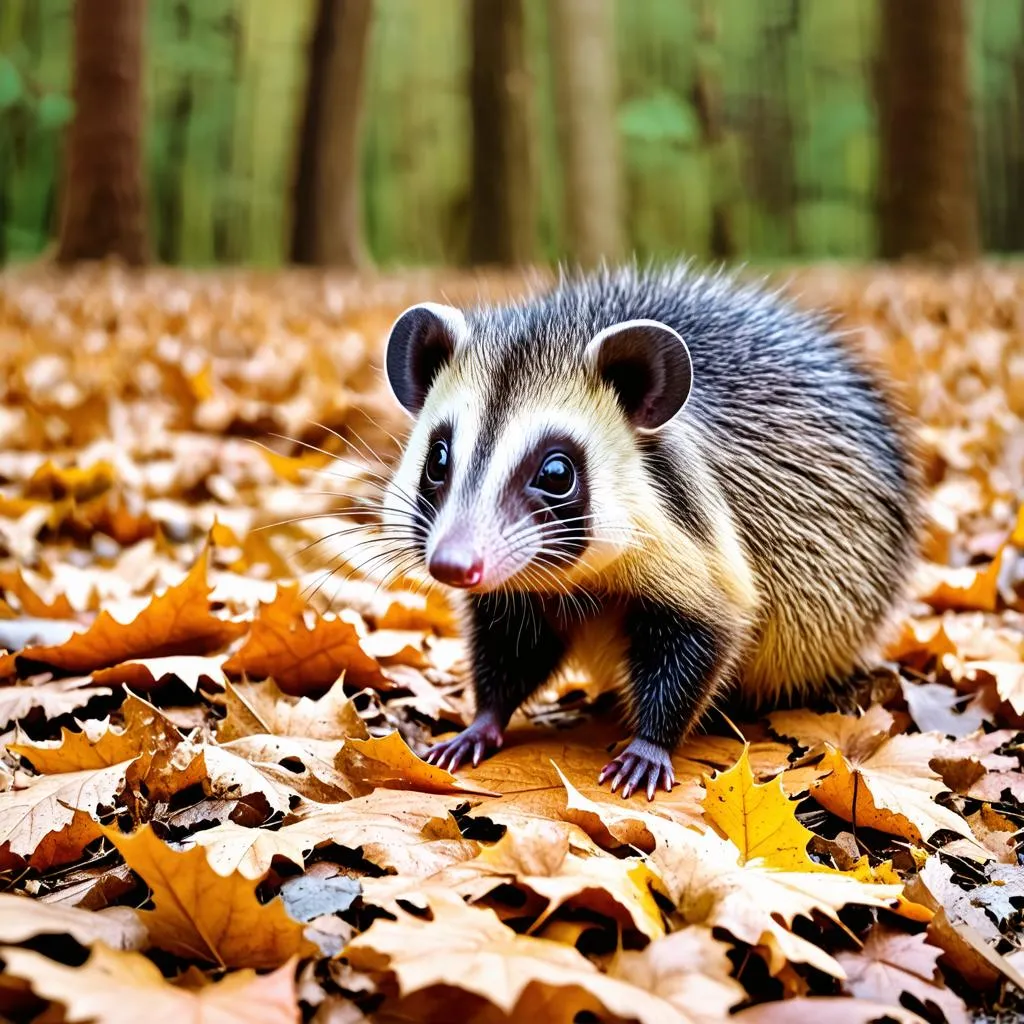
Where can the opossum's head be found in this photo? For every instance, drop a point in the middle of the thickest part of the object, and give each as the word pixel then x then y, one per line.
pixel 523 468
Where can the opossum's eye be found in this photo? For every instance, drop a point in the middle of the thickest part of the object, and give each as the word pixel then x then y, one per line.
pixel 556 476
pixel 436 466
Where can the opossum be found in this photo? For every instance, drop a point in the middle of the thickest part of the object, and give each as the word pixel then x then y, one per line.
pixel 683 481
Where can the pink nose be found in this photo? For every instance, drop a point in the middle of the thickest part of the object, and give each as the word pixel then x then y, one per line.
pixel 456 563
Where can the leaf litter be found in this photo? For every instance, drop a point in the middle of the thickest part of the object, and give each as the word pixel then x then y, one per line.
pixel 213 699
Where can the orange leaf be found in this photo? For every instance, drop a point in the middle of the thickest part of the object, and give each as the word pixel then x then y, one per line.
pixel 178 621
pixel 303 659
pixel 13 582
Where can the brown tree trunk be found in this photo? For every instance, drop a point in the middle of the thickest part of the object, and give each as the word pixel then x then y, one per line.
pixel 583 52
pixel 327 228
pixel 503 180
pixel 103 210
pixel 928 193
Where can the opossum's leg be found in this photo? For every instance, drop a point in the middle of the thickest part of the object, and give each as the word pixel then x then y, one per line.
pixel 514 650
pixel 673 662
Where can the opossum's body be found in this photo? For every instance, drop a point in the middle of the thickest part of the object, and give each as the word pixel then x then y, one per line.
pixel 744 505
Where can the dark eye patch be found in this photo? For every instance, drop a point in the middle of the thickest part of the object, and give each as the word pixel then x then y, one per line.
pixel 525 501
pixel 435 478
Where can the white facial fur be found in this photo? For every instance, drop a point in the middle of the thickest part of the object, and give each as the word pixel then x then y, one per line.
pixel 510 549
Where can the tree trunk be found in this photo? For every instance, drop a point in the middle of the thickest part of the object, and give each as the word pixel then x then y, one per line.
pixel 583 52
pixel 103 211
pixel 503 180
pixel 327 229
pixel 928 193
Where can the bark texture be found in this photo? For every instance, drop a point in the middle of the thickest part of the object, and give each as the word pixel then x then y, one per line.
pixel 929 195
pixel 583 55
pixel 103 211
pixel 327 227
pixel 502 201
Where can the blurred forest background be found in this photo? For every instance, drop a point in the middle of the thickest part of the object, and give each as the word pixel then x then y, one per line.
pixel 399 132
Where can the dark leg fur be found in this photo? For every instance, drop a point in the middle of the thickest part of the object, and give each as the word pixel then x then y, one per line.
pixel 672 663
pixel 514 650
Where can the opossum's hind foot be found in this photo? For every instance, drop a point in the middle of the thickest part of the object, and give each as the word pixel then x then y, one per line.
pixel 480 740
pixel 642 765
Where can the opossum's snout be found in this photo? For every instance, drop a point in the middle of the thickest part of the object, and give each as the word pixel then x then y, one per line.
pixel 456 561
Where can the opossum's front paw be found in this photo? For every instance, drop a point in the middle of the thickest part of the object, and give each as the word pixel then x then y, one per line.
pixel 480 740
pixel 642 765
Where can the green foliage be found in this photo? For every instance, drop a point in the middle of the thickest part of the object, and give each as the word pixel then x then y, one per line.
pixel 11 87
pixel 789 164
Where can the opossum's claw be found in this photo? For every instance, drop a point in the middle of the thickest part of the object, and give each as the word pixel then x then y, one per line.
pixel 480 740
pixel 642 765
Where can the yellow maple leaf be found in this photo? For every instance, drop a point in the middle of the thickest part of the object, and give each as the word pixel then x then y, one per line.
pixel 758 817
pixel 202 915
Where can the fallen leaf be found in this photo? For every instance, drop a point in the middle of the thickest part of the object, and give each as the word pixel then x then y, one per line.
pixel 892 963
pixel 710 885
pixel 201 915
pixel 539 859
pixel 22 918
pixel 485 957
pixel 759 818
pixel 834 1009
pixel 52 818
pixel 98 744
pixel 262 708
pixel 55 698
pixel 178 621
pixel 875 780
pixel 123 988
pixel 148 673
pixel 388 762
pixel 302 659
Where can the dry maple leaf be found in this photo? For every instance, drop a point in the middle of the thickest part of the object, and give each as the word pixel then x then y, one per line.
pixel 178 621
pixel 759 818
pixel 52 818
pixel 411 836
pixel 539 858
pixel 299 765
pixel 13 582
pixel 875 780
pixel 710 885
pixel 530 770
pixel 124 988
pixel 221 773
pixel 55 698
pixel 833 1009
pixel 761 822
pixel 389 762
pixel 234 848
pixel 149 673
pixel 891 963
pixel 262 708
pixel 202 915
pixel 963 589
pixel 689 970
pixel 483 956
pixel 302 659
pixel 98 744
pixel 610 825
pixel 22 918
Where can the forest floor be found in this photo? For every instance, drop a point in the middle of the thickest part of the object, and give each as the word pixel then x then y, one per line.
pixel 211 803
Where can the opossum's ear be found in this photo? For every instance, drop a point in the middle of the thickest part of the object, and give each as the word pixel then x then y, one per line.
pixel 648 365
pixel 421 342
